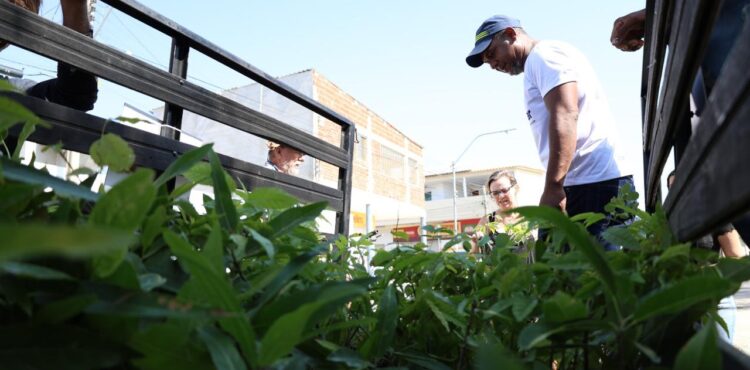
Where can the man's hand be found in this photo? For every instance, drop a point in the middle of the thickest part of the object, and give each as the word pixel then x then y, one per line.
pixel 553 196
pixel 629 30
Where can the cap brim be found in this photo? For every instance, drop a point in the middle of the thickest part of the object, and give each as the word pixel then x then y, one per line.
pixel 474 59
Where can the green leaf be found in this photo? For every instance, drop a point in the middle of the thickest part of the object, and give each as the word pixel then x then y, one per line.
pixel 588 218
pixel 650 353
pixel 573 260
pixel 30 240
pixel 222 349
pixel 294 327
pixel 126 205
pixel 523 306
pixel 275 283
pixel 13 113
pixel 269 198
pixel 444 310
pixel 537 333
pixel 107 264
pixel 150 281
pixel 621 236
pixel 222 195
pixel 679 296
pixel 167 346
pixel 580 239
pixel 153 227
pixel 701 351
pixel 679 254
pixel 123 207
pixel 59 311
pixel 423 361
pixel 561 307
pixel 735 270
pixel 123 119
pixel 385 330
pixel 214 248
pixel 17 172
pixel 292 217
pixel 349 358
pixel 31 271
pixel 216 290
pixel 265 243
pixel 183 163
pixel 496 356
pixel 111 150
pixel 26 131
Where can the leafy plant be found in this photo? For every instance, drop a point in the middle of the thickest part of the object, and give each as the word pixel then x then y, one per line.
pixel 137 278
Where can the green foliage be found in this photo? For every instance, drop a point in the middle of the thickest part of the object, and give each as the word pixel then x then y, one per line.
pixel 137 278
pixel 111 150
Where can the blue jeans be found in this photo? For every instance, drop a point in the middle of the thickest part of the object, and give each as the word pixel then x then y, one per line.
pixel 592 198
pixel 727 311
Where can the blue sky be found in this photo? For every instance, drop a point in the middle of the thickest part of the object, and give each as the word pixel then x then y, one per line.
pixel 402 59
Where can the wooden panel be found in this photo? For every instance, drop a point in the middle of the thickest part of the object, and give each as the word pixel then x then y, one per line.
pixel 77 130
pixel 692 22
pixel 34 33
pixel 711 187
pixel 169 27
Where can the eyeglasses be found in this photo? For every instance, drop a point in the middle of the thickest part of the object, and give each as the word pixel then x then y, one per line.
pixel 500 192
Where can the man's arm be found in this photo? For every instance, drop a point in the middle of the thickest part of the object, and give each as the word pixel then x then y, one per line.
pixel 76 15
pixel 629 30
pixel 730 244
pixel 562 106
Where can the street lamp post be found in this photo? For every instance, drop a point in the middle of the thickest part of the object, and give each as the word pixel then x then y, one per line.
pixel 453 169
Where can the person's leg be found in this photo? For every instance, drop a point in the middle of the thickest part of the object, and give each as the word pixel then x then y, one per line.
pixel 592 198
pixel 727 311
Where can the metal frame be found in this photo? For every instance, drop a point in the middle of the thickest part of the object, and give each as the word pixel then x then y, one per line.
pixel 41 36
pixel 711 189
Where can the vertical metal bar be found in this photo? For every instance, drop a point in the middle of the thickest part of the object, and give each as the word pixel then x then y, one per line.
pixel 178 64
pixel 345 179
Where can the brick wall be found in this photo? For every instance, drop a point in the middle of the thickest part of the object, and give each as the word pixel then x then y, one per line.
pixel 376 170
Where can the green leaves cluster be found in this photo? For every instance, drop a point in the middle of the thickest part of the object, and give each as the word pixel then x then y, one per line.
pixel 136 277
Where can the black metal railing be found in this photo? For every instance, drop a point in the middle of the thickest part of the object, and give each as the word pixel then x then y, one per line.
pixel 711 188
pixel 77 130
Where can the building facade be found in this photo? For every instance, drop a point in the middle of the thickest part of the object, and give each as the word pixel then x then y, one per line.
pixel 472 199
pixel 388 176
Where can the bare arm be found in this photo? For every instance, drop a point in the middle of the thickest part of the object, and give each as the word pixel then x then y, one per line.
pixel 730 244
pixel 75 15
pixel 562 105
pixel 629 30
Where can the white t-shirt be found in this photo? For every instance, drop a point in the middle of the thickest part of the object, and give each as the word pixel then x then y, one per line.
pixel 551 64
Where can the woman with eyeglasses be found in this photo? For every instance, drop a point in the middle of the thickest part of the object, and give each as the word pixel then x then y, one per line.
pixel 503 189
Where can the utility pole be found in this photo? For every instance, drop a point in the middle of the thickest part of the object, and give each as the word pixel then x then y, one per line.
pixel 453 169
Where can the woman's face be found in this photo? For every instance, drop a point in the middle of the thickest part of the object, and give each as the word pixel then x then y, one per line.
pixel 503 191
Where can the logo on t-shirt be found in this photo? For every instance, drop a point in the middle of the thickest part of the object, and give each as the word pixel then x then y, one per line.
pixel 528 114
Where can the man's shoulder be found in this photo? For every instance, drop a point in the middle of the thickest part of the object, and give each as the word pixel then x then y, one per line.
pixel 553 48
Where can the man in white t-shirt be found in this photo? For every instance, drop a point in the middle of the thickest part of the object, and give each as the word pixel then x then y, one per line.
pixel 569 116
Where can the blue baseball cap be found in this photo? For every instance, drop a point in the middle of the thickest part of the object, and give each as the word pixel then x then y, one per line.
pixel 482 40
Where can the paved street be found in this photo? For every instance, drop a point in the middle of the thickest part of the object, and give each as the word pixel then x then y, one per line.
pixel 742 327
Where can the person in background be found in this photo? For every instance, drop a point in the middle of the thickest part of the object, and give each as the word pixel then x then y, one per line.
pixel 503 189
pixel 284 159
pixel 569 116
pixel 73 87
pixel 725 240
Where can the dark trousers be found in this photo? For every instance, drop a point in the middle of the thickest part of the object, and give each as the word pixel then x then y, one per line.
pixel 592 198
